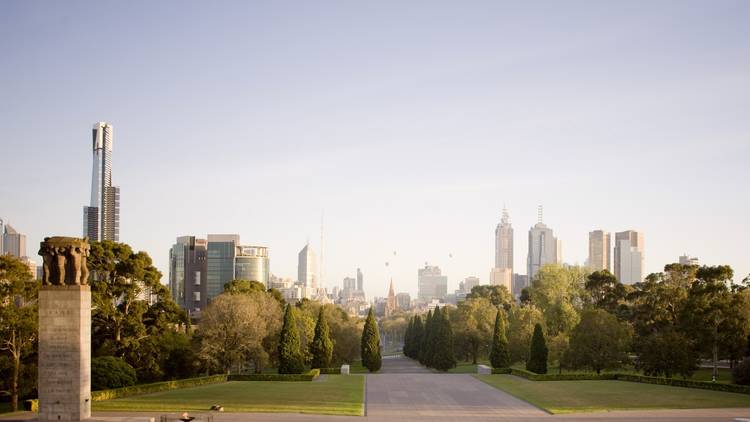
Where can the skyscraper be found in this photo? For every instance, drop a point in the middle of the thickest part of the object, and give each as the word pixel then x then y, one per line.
pixel 629 256
pixel 307 272
pixel 188 266
pixel 432 284
pixel 504 243
pixel 13 243
pixel 599 251
pixel 542 248
pixel 101 218
pixel 360 281
pixel 220 263
pixel 251 263
pixel 2 235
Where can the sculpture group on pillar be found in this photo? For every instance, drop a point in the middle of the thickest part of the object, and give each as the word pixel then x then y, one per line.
pixel 65 261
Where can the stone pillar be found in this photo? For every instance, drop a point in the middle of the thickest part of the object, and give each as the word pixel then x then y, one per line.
pixel 64 331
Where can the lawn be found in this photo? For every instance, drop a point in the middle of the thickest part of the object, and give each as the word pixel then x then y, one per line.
pixel 586 396
pixel 331 394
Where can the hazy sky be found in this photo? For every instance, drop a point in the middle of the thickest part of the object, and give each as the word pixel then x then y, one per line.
pixel 407 125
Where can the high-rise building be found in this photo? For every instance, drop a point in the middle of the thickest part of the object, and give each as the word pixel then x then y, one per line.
pixel 599 251
pixel 307 272
pixel 502 277
pixel 432 284
pixel 252 263
pixel 469 283
pixel 220 263
pixel 14 243
pixel 520 282
pixel 543 248
pixel 391 304
pixel 504 243
pixel 688 260
pixel 360 281
pixel 2 235
pixel 188 268
pixel 403 301
pixel 629 256
pixel 101 218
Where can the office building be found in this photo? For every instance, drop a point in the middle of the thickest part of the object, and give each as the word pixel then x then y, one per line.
pixel 629 257
pixel 599 251
pixel 432 284
pixel 252 263
pixel 101 218
pixel 403 301
pixel 520 282
pixel 14 243
pixel 2 235
pixel 502 277
pixel 688 260
pixel 188 268
pixel 360 281
pixel 221 252
pixel 504 243
pixel 469 283
pixel 543 248
pixel 307 268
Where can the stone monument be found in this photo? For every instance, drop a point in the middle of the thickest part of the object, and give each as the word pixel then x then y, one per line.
pixel 64 331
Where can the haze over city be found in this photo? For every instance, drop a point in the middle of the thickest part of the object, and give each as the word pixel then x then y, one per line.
pixel 405 128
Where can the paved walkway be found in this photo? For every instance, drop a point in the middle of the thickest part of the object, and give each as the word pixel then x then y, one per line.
pixel 405 391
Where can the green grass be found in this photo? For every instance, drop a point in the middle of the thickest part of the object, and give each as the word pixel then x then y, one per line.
pixel 333 395
pixel 587 396
pixel 704 374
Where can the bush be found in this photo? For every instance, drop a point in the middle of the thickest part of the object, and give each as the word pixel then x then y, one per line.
pixel 307 376
pixel 705 385
pixel 155 387
pixel 560 377
pixel 330 371
pixel 111 372
pixel 497 371
pixel 741 372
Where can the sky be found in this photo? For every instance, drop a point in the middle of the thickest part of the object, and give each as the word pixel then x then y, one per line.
pixel 404 127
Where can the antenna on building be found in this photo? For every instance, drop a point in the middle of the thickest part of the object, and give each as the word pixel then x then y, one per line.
pixel 540 213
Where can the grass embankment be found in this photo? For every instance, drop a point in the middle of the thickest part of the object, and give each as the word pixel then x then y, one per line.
pixel 590 396
pixel 332 395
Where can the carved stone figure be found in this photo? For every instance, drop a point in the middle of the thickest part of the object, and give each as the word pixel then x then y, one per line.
pixel 64 261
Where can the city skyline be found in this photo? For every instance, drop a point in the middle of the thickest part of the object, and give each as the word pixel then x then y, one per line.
pixel 400 146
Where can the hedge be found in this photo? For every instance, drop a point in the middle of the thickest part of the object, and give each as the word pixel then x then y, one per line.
pixel 331 371
pixel 307 376
pixel 674 382
pixel 155 387
pixel 496 371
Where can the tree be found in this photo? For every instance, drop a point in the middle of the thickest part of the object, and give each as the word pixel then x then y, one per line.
pixel 424 344
pixel 538 352
pixel 521 322
pixel 499 354
pixel 605 291
pixel 559 293
pixel 741 372
pixel 417 337
pixel 371 358
pixel 290 355
pixel 321 347
pixel 496 294
pixel 443 358
pixel 408 338
pixel 233 329
pixel 18 318
pixel 473 321
pixel 239 286
pixel 599 342
pixel 667 353
pixel 111 372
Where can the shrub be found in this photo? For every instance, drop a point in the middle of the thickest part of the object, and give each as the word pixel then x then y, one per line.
pixel 741 372
pixel 538 352
pixel 371 358
pixel 111 372
pixel 307 376
pixel 290 355
pixel 330 371
pixel 155 387
pixel 499 354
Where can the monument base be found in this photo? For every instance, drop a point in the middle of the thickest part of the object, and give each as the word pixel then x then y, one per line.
pixel 64 353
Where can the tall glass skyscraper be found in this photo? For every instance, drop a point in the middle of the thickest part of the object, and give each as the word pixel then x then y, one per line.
pixel 101 218
pixel 187 273
pixel 221 254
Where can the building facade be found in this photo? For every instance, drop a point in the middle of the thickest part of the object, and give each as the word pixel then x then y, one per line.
pixel 403 301
pixel 360 281
pixel 599 251
pixel 502 277
pixel 101 218
pixel 252 263
pixel 504 243
pixel 307 268
pixel 688 260
pixel 629 257
pixel 221 252
pixel 432 284
pixel 14 243
pixel 542 249
pixel 188 267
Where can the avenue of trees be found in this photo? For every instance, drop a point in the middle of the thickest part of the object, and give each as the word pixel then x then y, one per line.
pixel 431 343
pixel 571 318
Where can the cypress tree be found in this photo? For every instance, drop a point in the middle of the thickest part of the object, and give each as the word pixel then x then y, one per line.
pixel 417 337
pixel 499 354
pixel 432 331
pixel 407 337
pixel 443 357
pixel 321 347
pixel 424 339
pixel 371 344
pixel 538 352
pixel 290 356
